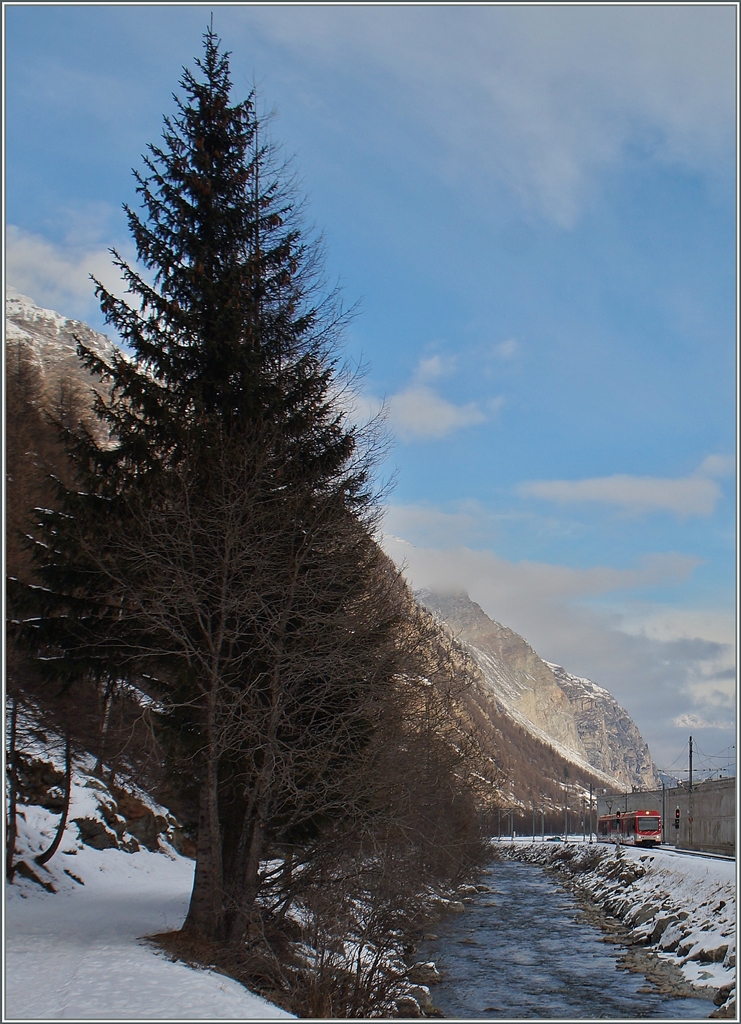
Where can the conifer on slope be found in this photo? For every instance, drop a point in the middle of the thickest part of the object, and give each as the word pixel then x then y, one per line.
pixel 215 551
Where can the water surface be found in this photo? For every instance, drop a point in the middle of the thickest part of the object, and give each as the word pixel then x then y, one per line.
pixel 520 952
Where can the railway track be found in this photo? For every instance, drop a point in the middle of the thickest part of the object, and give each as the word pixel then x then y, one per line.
pixel 670 851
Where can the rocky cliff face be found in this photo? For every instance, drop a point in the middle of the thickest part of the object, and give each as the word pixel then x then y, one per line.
pixel 575 716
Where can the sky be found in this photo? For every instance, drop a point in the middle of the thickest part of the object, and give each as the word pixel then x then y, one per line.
pixel 534 208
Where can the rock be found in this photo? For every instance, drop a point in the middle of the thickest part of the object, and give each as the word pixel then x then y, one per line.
pixel 96 784
pixel 39 782
pixel 710 956
pixel 407 1007
pixel 660 926
pixel 424 974
pixel 721 996
pixel 23 869
pixel 94 833
pixel 183 843
pixel 725 1012
pixel 147 829
pixel 455 906
pixel 574 712
pixel 645 913
pixel 422 994
pixel 129 806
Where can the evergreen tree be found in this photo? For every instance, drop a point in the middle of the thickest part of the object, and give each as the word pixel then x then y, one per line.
pixel 215 549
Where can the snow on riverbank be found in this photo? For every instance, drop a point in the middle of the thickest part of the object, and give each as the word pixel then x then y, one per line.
pixel 681 906
pixel 78 953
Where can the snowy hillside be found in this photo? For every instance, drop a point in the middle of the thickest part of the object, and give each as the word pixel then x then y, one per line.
pixel 75 935
pixel 50 337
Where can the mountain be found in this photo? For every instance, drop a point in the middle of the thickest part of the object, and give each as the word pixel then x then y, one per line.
pixel 576 717
pixel 535 719
pixel 49 339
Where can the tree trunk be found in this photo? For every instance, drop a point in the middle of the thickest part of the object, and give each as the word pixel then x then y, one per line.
pixel 206 910
pixel 47 856
pixel 104 722
pixel 12 821
pixel 248 870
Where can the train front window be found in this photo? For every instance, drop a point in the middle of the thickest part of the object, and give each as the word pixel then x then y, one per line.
pixel 647 824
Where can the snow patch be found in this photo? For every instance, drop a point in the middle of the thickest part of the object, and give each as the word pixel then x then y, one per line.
pixel 76 946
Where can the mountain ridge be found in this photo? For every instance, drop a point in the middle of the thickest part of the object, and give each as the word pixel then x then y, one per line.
pixel 575 716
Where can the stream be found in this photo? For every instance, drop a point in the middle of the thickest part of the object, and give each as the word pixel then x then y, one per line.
pixel 518 951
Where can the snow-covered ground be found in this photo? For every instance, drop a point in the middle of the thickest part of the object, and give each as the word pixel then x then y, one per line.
pixel 79 953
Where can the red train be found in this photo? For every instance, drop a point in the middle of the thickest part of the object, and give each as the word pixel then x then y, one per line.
pixel 632 828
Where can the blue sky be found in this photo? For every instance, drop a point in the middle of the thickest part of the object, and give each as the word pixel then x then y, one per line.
pixel 535 207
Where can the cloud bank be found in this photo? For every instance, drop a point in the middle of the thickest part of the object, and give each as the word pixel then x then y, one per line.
pixel 695 495
pixel 543 98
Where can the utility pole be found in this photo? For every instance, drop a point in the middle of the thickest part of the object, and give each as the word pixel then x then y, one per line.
pixel 583 822
pixel 689 816
pixel 565 814
pixel 590 812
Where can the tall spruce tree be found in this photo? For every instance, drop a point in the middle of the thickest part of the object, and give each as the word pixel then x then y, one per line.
pixel 215 550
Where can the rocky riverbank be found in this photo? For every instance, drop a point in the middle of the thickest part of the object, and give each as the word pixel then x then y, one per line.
pixel 675 915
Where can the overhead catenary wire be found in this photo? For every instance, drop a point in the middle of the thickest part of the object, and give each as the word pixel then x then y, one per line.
pixel 706 766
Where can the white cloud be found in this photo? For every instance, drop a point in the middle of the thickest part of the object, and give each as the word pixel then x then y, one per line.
pixel 542 98
pixel 717 465
pixel 695 722
pixel 57 276
pixel 434 367
pixel 466 521
pixel 695 495
pixel 505 349
pixel 419 412
pixel 669 623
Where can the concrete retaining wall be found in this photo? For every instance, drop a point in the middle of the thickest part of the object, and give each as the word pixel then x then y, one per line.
pixel 707 814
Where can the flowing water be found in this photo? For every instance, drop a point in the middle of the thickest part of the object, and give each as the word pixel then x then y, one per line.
pixel 519 951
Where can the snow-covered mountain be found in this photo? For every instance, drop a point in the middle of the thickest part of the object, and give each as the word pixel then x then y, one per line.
pixel 575 716
pixel 49 338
